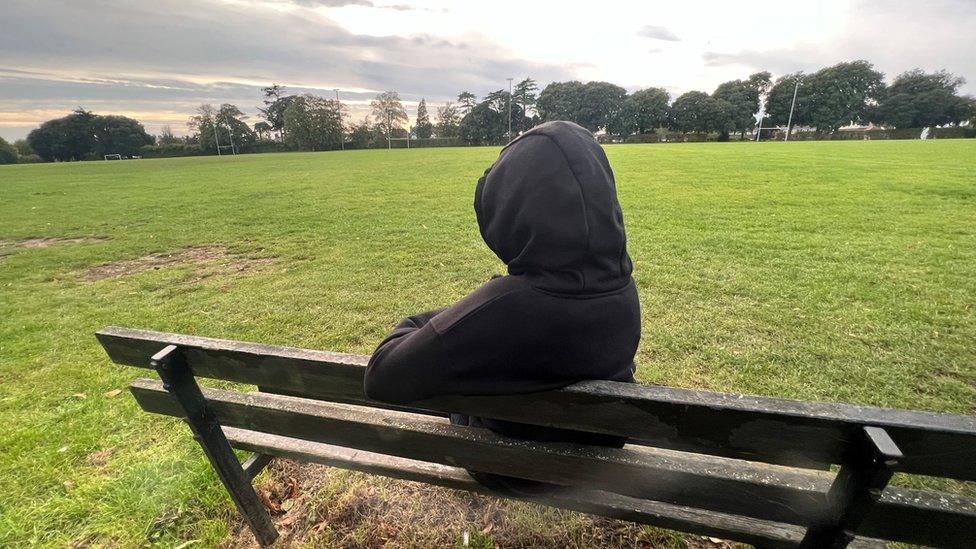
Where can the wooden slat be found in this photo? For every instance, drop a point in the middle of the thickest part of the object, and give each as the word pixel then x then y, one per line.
pixel 255 463
pixel 685 519
pixel 765 491
pixel 755 428
pixel 770 492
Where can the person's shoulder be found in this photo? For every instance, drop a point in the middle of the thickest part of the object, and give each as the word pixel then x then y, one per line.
pixel 501 288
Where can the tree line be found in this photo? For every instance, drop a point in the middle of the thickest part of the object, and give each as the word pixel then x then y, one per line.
pixel 825 100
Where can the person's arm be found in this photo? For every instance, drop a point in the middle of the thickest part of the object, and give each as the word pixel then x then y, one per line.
pixel 405 365
pixel 419 320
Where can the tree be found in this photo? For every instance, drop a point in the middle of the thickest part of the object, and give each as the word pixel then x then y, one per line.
pixel 202 125
pixel 501 102
pixel 696 111
pixel 83 135
pixel 23 147
pixel 525 94
pixel 448 120
pixel 313 123
pixel 275 103
pixel 780 98
pixel 560 101
pixel 364 135
pixel 240 135
pixel 743 97
pixel 843 94
pixel 916 99
pixel 166 137
pixel 69 138
pixel 263 129
pixel 224 126
pixel 119 135
pixel 466 102
pixel 424 128
pixel 601 105
pixel 8 154
pixel 649 108
pixel 498 100
pixel 388 112
pixel 829 98
pixel 483 125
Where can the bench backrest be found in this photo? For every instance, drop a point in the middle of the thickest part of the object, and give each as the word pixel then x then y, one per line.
pixel 707 428
pixel 772 430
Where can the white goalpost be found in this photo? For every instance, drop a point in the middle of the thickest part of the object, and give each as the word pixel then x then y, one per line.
pixel 113 157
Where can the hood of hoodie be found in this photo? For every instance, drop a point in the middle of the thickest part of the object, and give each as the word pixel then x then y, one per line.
pixel 548 208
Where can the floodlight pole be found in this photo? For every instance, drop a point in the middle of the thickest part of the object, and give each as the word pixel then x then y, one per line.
pixel 342 131
pixel 509 108
pixel 389 131
pixel 789 121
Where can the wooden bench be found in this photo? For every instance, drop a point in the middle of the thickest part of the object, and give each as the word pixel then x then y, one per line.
pixel 749 469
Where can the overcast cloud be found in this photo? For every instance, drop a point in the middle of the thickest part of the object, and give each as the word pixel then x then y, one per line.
pixel 157 60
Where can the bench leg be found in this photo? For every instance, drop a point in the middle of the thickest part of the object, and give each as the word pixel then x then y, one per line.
pixel 178 380
pixel 858 485
pixel 255 463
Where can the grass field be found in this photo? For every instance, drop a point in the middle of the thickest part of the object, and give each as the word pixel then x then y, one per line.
pixel 832 271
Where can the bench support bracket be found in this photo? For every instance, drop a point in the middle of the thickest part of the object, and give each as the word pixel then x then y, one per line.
pixel 255 463
pixel 857 486
pixel 178 380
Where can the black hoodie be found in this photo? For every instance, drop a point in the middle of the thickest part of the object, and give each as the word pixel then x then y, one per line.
pixel 568 311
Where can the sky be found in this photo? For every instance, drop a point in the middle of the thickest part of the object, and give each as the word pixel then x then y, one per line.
pixel 156 61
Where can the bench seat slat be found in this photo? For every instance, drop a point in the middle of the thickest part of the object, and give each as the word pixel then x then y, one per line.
pixel 770 492
pixel 746 427
pixel 685 519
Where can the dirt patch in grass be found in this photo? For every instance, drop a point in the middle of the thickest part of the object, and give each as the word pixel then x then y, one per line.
pixel 9 245
pixel 100 458
pixel 318 506
pixel 203 256
pixel 48 241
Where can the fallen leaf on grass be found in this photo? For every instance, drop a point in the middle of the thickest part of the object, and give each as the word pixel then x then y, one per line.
pixel 287 504
pixel 62 449
pixel 292 488
pixel 113 393
pixel 287 521
pixel 268 502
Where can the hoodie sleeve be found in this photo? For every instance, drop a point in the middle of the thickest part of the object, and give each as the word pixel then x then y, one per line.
pixel 409 364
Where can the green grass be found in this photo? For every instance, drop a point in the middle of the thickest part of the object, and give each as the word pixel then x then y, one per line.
pixel 830 271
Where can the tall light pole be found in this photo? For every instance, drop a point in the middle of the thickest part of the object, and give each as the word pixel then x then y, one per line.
pixel 342 131
pixel 509 108
pixel 789 121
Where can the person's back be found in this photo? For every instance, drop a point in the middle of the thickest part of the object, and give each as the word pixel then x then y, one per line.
pixel 568 310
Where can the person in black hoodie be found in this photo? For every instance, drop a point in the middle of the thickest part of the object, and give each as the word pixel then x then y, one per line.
pixel 567 311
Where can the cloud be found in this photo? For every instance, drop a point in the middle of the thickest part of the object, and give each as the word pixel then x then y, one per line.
pixel 171 54
pixel 330 3
pixel 901 35
pixel 655 32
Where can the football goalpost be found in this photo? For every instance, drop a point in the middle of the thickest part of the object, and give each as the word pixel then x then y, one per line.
pixel 113 157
